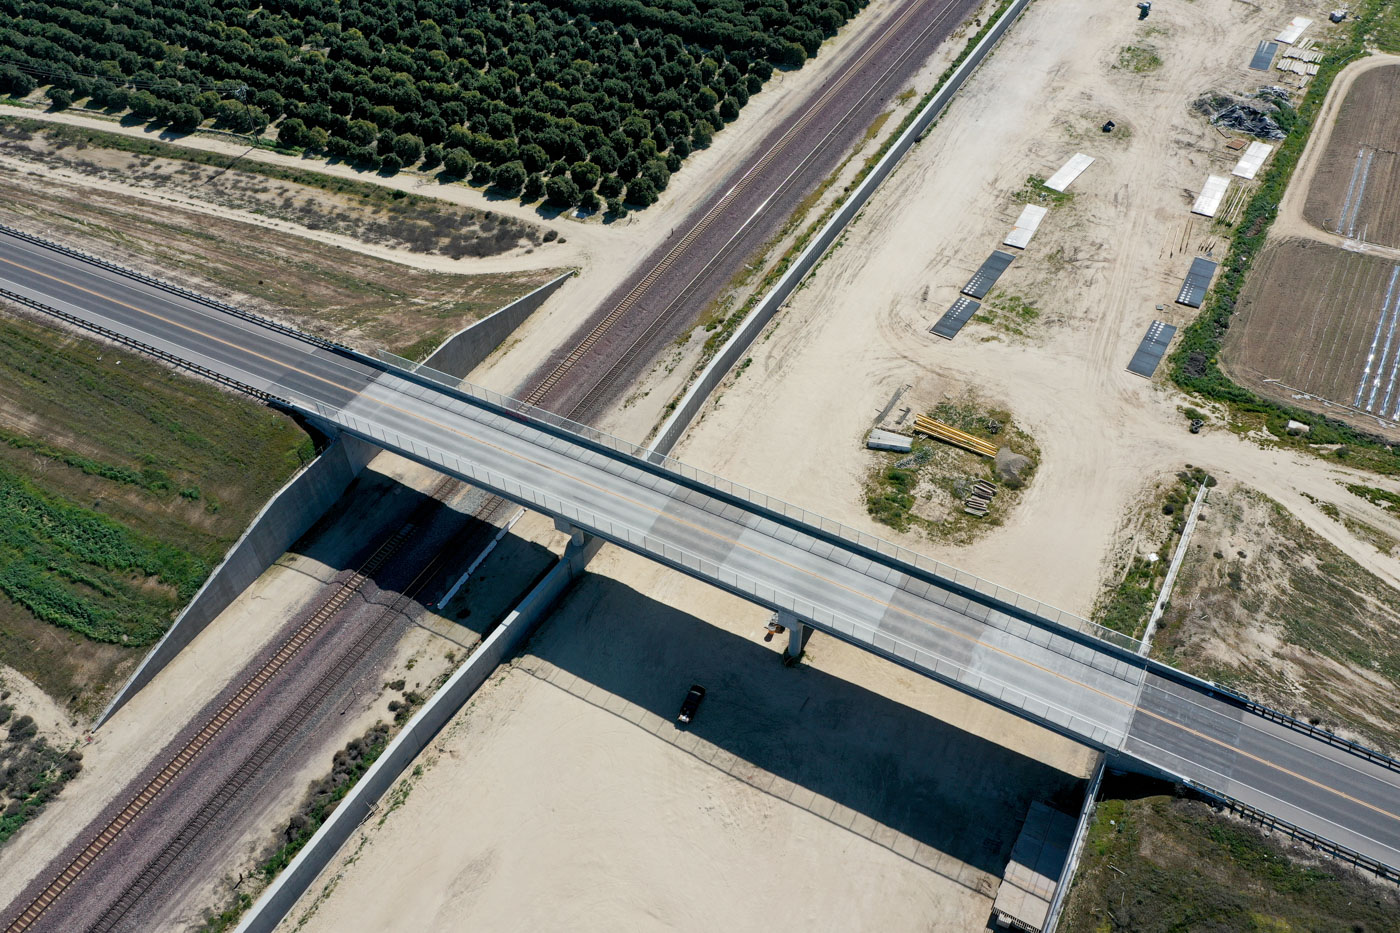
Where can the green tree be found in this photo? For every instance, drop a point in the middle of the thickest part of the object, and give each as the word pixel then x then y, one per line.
pixel 511 176
pixel 585 175
pixel 534 187
pixel 641 192
pixel 458 162
pixel 408 147
pixel 60 98
pixel 562 191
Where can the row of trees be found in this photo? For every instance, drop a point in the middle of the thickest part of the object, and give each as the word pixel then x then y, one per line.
pixel 625 88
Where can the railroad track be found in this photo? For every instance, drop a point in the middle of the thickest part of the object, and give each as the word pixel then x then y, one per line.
pixel 610 320
pixel 301 712
pixel 211 728
pixel 619 369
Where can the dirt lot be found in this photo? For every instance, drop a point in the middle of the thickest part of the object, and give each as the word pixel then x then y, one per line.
pixel 1265 605
pixel 1311 317
pixel 792 423
pixel 1355 189
pixel 825 796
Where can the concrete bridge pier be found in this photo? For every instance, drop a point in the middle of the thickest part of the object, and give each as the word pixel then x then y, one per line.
pixel 798 633
pixel 578 538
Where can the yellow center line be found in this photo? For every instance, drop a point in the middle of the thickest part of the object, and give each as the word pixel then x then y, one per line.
pixel 1132 706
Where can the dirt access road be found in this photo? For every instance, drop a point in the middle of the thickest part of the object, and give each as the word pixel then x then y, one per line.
pixel 792 424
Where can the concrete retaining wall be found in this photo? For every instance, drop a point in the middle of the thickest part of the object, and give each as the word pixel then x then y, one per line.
pixel 298 877
pixel 464 350
pixel 284 519
pixel 710 378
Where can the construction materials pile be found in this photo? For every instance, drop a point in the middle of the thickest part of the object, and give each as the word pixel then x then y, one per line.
pixel 980 499
pixel 946 432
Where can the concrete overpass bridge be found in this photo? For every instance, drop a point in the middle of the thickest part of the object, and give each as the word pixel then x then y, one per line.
pixel 1050 667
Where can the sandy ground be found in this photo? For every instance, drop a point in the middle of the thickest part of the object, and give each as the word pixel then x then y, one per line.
pixel 844 794
pixel 792 424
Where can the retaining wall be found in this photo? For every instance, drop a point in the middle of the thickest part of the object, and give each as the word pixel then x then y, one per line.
pixel 464 350
pixel 298 877
pixel 728 355
pixel 284 519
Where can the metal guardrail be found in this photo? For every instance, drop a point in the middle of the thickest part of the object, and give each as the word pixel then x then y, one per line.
pixel 170 358
pixel 175 289
pixel 1321 843
pixel 1317 732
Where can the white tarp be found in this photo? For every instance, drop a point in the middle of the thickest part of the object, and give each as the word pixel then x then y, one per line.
pixel 1295 29
pixel 1252 160
pixel 1069 171
pixel 1211 195
pixel 1021 234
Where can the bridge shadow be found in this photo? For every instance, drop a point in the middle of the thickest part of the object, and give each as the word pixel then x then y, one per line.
pixel 954 791
pixel 377 504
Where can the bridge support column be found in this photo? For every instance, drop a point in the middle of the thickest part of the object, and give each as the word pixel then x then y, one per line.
pixel 578 540
pixel 798 633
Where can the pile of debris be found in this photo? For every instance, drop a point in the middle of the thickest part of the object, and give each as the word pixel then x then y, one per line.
pixel 980 498
pixel 1247 116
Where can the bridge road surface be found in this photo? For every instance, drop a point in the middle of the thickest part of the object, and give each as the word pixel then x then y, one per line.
pixel 776 555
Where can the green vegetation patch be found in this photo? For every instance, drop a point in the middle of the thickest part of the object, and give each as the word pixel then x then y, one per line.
pixel 1139 59
pixel 1035 192
pixel 32 771
pixel 1009 312
pixel 926 488
pixel 1161 864
pixel 1195 362
pixel 121 485
pixel 604 98
pixel 71 567
pixel 1128 605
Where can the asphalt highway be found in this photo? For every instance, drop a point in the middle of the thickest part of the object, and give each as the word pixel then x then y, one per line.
pixel 775 555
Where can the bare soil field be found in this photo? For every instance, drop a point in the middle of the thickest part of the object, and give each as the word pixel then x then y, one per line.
pixel 844 793
pixel 330 290
pixel 1355 188
pixel 1266 606
pixel 1319 319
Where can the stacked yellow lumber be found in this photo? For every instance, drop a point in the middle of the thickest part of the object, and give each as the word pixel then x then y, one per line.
pixel 946 432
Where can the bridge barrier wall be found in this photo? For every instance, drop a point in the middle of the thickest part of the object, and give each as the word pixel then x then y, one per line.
pixel 277 901
pixel 1076 848
pixel 709 379
pixel 285 518
pixel 465 350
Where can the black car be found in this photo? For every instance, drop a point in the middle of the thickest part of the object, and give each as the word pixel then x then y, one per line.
pixel 691 703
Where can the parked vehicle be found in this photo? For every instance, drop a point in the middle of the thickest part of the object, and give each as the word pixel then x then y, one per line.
pixel 691 703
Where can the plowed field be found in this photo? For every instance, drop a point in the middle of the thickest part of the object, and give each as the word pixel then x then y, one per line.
pixel 1322 320
pixel 1356 190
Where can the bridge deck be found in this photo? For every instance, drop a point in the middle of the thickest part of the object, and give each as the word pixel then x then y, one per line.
pixel 944 628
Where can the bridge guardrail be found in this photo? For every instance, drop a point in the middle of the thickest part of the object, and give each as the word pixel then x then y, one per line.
pixel 648 457
pixel 1321 843
pixel 1324 735
pixel 170 358
pixel 174 289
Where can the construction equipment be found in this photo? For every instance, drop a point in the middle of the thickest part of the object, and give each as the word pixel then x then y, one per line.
pixel 946 432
